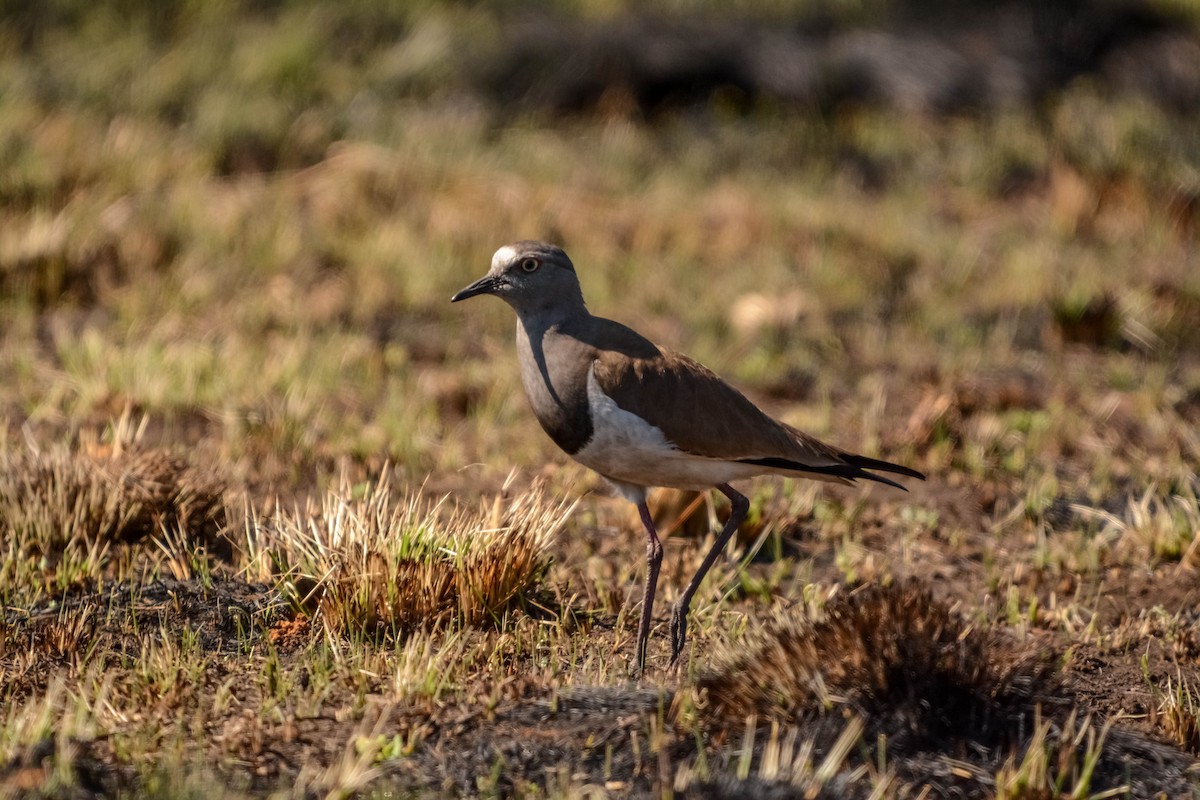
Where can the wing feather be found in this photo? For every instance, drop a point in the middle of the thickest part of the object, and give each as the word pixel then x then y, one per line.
pixel 703 415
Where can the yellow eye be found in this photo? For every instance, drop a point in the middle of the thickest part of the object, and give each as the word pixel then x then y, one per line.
pixel 530 264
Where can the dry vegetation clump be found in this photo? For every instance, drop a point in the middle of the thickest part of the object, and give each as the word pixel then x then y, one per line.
pixel 367 563
pixel 914 668
pixel 930 701
pixel 1178 713
pixel 169 492
pixel 63 507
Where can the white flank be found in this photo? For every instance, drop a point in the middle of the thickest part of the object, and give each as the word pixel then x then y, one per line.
pixel 635 455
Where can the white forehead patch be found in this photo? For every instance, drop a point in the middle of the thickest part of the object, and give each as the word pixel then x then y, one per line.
pixel 503 256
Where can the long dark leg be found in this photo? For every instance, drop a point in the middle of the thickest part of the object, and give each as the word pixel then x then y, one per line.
pixel 653 561
pixel 679 614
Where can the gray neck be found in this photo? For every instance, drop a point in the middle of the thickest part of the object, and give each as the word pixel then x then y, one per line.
pixel 544 312
pixel 536 321
pixel 554 367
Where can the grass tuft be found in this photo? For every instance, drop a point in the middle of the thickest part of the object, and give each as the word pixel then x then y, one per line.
pixel 888 652
pixel 1059 761
pixel 1178 713
pixel 62 510
pixel 368 563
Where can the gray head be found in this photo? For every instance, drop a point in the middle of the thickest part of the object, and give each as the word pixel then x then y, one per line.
pixel 532 277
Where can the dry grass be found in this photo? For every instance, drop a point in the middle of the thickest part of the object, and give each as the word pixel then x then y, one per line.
pixel 1059 762
pixel 900 674
pixel 368 563
pixel 62 512
pixel 876 648
pixel 227 239
pixel 1178 713
pixel 786 765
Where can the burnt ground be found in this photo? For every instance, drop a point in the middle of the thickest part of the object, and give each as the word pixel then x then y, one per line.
pixel 264 301
pixel 954 696
pixel 955 650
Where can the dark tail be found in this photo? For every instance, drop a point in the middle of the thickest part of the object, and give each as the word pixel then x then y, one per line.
pixel 854 467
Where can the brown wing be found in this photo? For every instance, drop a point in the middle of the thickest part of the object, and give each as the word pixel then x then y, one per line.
pixel 702 414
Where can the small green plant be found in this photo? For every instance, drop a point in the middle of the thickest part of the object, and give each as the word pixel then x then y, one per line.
pixel 1057 763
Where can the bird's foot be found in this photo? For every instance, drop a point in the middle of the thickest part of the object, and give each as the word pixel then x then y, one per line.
pixel 678 632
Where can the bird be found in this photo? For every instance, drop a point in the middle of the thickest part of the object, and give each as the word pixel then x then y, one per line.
pixel 644 416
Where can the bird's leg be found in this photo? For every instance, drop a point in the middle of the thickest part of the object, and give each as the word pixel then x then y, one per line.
pixel 653 561
pixel 679 613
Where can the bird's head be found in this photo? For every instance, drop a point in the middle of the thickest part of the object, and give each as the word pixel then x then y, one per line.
pixel 531 277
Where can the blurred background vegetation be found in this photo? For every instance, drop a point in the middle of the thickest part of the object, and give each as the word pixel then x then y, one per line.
pixel 957 235
pixel 245 218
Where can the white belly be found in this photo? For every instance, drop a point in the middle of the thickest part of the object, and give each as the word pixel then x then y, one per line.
pixel 635 455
